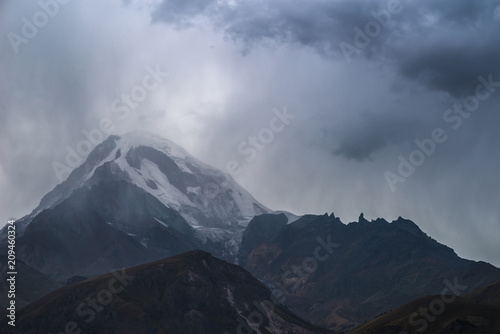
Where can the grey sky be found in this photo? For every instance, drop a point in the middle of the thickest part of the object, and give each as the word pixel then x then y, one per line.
pixel 230 63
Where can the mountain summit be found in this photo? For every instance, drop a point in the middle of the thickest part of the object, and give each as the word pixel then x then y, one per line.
pixel 203 195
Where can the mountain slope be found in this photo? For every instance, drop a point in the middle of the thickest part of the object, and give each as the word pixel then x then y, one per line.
pixel 338 275
pixel 190 293
pixel 474 313
pixel 112 225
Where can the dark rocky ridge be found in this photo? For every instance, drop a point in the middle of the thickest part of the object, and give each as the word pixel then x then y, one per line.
pixel 366 268
pixel 190 293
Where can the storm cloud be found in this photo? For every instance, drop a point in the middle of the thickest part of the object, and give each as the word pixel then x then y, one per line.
pixel 437 43
pixel 230 63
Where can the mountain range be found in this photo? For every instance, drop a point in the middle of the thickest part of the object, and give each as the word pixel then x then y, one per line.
pixel 339 275
pixel 197 239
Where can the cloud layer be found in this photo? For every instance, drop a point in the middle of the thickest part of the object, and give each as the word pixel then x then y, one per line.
pixel 357 109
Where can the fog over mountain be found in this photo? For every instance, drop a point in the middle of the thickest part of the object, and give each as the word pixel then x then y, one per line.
pixel 382 107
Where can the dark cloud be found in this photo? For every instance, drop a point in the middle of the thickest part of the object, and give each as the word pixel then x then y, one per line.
pixel 369 133
pixel 181 13
pixel 452 67
pixel 436 43
pixel 316 24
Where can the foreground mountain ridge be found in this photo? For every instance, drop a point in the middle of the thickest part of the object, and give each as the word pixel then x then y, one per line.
pixel 474 313
pixel 190 293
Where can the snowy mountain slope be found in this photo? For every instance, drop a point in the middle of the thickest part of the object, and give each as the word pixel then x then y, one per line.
pixel 203 195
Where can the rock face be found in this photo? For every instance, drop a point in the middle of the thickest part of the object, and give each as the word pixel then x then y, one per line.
pixel 189 293
pixel 260 228
pixel 337 275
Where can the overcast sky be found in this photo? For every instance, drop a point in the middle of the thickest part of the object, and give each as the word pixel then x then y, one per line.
pixel 360 81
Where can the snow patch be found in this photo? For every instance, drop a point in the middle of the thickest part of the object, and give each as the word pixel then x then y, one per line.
pixel 161 222
pixel 183 167
pixel 230 297
pixel 194 190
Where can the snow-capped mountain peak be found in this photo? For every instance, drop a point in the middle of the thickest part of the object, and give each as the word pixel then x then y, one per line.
pixel 203 195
